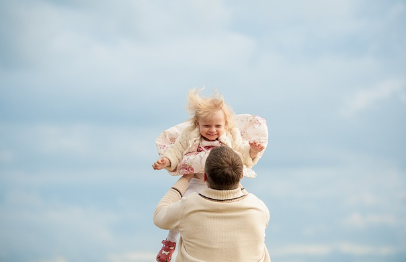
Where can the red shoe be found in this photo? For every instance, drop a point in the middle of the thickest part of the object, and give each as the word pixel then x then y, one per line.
pixel 165 254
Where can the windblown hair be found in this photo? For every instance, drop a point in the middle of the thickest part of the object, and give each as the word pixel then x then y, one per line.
pixel 203 107
pixel 223 168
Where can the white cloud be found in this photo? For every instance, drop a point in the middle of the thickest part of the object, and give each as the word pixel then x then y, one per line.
pixel 360 177
pixel 6 156
pixel 55 260
pixel 359 220
pixel 123 48
pixel 92 33
pixel 77 141
pixel 363 199
pixel 134 257
pixel 23 199
pixel 364 99
pixel 325 249
pixel 302 249
pixel 359 250
pixel 24 214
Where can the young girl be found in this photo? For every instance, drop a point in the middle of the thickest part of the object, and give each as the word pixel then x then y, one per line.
pixel 211 125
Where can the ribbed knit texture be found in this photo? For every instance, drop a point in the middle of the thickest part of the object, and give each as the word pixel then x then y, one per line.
pixel 216 225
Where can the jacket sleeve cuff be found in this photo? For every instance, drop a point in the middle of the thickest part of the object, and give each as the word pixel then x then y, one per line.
pixel 174 164
pixel 181 185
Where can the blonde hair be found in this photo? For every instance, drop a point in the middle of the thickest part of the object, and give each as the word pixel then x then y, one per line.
pixel 201 107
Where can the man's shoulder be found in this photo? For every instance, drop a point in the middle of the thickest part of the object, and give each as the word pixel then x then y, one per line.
pixel 190 197
pixel 253 197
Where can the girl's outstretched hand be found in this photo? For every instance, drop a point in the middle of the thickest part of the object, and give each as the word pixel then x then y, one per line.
pixel 161 163
pixel 256 146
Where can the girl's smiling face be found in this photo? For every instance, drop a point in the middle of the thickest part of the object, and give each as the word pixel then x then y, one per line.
pixel 213 126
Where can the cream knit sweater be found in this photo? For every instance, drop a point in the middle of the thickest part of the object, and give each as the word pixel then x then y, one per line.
pixel 215 225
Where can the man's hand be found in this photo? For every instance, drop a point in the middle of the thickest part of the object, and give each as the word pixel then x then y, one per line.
pixel 161 163
pixel 189 176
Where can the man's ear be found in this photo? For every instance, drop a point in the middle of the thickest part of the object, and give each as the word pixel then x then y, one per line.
pixel 204 177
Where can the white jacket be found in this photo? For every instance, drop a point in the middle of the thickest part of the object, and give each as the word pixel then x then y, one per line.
pixel 189 141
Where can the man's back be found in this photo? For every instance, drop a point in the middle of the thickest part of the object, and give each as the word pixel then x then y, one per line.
pixel 223 225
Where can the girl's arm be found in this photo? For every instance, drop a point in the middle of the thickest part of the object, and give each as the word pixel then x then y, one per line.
pixel 249 157
pixel 175 153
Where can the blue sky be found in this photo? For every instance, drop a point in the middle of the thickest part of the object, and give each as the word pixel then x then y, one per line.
pixel 86 86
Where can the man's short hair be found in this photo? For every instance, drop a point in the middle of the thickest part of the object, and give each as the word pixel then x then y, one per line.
pixel 223 168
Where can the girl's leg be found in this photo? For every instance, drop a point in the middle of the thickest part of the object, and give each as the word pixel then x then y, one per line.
pixel 169 245
pixel 195 185
pixel 173 235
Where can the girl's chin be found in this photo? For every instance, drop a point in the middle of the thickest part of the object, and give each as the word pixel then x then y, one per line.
pixel 211 138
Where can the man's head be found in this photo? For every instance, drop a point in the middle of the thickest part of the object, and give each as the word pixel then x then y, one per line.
pixel 223 169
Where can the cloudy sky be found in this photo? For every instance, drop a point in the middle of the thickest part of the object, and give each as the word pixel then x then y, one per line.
pixel 86 87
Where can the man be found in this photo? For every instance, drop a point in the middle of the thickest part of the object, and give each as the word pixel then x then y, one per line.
pixel 221 223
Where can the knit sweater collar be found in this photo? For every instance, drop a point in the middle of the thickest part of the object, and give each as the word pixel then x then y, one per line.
pixel 222 195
